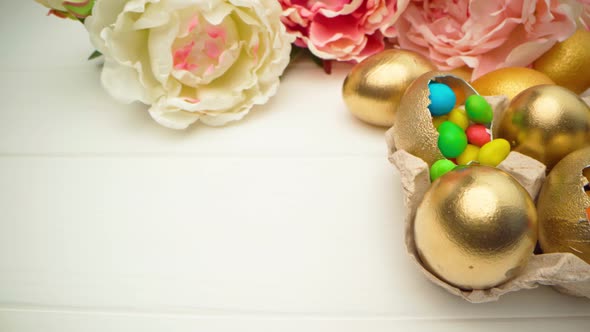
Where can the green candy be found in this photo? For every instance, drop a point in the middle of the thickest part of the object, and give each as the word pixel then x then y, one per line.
pixel 440 168
pixel 478 109
pixel 452 140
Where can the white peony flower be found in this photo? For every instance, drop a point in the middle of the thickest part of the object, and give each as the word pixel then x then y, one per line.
pixel 208 60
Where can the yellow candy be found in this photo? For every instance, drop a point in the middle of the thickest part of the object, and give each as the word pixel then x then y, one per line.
pixel 437 120
pixel 492 153
pixel 459 117
pixel 470 154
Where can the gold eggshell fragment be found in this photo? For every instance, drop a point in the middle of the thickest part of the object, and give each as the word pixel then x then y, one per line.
pixel 568 62
pixel 509 81
pixel 413 128
pixel 476 227
pixel 545 122
pixel 462 72
pixel 373 89
pixel 562 207
pixel 465 74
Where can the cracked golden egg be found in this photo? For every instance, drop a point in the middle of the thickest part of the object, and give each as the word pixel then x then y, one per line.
pixel 373 89
pixel 476 227
pixel 545 122
pixel 413 127
pixel 564 205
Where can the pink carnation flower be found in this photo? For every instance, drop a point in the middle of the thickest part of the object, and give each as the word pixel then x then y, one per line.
pixel 345 30
pixel 485 34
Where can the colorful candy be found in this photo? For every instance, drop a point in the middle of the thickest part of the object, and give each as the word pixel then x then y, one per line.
pixel 494 152
pixel 459 117
pixel 440 168
pixel 478 134
pixel 442 99
pixel 478 109
pixel 438 120
pixel 451 139
pixel 470 154
pixel 464 136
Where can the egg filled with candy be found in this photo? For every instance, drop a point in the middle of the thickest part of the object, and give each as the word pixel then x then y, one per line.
pixel 414 130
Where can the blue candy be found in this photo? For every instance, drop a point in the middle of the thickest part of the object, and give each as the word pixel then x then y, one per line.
pixel 442 99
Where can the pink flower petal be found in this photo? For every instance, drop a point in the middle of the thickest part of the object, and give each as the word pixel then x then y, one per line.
pixel 212 50
pixel 342 29
pixel 216 32
pixel 181 56
pixel 484 34
pixel 193 24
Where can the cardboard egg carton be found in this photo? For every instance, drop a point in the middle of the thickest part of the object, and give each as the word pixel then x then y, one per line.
pixel 564 271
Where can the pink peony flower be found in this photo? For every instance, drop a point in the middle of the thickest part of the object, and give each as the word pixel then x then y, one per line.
pixel 342 30
pixel 485 34
pixel 585 18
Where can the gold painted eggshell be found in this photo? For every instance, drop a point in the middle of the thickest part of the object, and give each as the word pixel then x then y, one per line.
pixel 509 81
pixel 545 122
pixel 562 204
pixel 373 89
pixel 413 128
pixel 476 227
pixel 462 72
pixel 568 63
pixel 465 74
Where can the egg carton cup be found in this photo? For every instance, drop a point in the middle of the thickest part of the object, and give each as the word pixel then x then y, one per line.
pixel 566 272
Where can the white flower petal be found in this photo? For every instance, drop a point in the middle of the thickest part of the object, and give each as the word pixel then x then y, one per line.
pixel 216 14
pixel 122 82
pixel 223 118
pixel 95 24
pixel 173 119
pixel 160 41
pixel 153 17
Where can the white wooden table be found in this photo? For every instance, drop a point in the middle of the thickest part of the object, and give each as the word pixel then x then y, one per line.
pixel 288 221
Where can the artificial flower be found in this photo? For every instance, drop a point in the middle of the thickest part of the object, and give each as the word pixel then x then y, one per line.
pixel 483 34
pixel 191 59
pixel 344 30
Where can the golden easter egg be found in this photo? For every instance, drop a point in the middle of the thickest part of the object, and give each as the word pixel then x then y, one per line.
pixel 545 122
pixel 509 81
pixel 413 129
pixel 476 227
pixel 373 89
pixel 563 207
pixel 568 62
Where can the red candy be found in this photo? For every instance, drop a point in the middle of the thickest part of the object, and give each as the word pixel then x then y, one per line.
pixel 477 134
